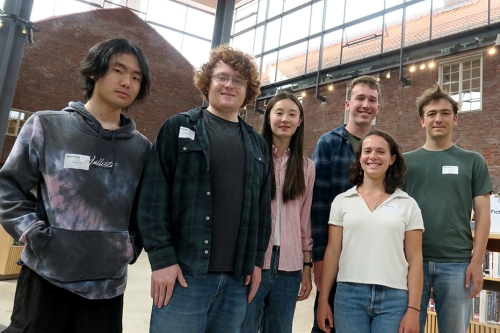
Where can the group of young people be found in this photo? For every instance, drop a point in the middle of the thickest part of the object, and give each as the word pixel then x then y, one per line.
pixel 231 220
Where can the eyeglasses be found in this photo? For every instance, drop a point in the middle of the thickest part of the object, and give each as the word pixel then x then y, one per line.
pixel 223 78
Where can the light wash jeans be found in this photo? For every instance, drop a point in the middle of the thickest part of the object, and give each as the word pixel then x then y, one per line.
pixel 272 309
pixel 213 304
pixel 451 298
pixel 368 308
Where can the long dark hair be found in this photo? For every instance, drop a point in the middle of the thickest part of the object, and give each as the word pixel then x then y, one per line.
pixel 394 176
pixel 294 185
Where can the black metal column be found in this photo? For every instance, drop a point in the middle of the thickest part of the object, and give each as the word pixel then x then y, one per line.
pixel 12 40
pixel 223 22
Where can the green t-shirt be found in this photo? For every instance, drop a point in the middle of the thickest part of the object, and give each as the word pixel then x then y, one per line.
pixel 354 141
pixel 444 183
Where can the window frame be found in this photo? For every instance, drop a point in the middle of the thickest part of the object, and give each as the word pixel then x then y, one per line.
pixel 18 121
pixel 460 61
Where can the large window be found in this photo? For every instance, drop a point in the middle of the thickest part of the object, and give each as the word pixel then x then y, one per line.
pixel 17 118
pixel 463 80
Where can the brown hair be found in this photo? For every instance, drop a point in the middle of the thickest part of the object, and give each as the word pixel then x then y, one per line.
pixel 294 185
pixel 367 80
pixel 394 176
pixel 239 61
pixel 433 95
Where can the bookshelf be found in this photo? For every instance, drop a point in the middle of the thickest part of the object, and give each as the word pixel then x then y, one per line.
pixel 9 254
pixel 489 284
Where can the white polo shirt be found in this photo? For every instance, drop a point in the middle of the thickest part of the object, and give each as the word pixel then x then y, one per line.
pixel 373 242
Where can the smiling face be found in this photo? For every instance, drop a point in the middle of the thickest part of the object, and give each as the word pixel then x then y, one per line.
pixel 375 157
pixel 438 120
pixel 363 105
pixel 284 118
pixel 119 87
pixel 225 100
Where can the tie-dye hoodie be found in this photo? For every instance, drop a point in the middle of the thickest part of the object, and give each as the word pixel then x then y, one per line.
pixel 82 237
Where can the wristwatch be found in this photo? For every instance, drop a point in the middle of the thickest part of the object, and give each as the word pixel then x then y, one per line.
pixel 310 264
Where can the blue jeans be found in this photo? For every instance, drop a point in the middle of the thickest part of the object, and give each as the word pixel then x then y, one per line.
pixel 369 308
pixel 451 298
pixel 272 309
pixel 216 303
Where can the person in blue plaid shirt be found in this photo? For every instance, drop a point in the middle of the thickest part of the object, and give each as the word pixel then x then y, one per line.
pixel 333 154
pixel 204 211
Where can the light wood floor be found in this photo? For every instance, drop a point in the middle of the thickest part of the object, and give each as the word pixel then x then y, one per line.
pixel 138 303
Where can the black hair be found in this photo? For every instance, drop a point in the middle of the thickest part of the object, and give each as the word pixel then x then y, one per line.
pixel 96 64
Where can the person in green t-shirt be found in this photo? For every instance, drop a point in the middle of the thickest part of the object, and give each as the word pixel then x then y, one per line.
pixel 447 182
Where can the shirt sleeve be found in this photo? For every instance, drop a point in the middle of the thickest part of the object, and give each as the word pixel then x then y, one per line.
pixel 153 217
pixel 19 175
pixel 336 215
pixel 265 223
pixel 321 199
pixel 416 221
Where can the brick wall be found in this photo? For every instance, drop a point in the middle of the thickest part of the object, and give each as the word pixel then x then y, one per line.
pixel 478 131
pixel 49 76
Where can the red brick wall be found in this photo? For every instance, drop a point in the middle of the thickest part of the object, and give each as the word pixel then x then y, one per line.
pixel 49 76
pixel 478 131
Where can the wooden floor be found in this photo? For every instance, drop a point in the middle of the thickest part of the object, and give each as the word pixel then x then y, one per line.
pixel 137 306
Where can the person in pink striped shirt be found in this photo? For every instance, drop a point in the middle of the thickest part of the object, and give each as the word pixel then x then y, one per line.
pixel 286 275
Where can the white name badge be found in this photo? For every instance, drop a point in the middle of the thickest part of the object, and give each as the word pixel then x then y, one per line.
pixel 453 170
pixel 391 209
pixel 185 132
pixel 76 161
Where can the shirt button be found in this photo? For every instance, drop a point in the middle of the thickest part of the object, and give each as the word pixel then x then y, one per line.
pixel 206 251
pixel 206 241
pixel 260 159
pixel 208 193
pixel 207 218
pixel 184 148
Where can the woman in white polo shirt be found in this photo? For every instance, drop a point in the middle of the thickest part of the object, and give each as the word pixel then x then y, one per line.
pixel 374 247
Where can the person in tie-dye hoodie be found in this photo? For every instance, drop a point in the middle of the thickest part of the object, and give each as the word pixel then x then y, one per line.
pixel 80 231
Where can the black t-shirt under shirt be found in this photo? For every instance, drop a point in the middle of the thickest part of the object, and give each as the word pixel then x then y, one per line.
pixel 227 177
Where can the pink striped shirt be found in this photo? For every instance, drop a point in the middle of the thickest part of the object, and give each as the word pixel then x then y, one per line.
pixel 295 226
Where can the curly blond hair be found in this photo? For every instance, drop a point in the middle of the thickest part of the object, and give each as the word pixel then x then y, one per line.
pixel 239 61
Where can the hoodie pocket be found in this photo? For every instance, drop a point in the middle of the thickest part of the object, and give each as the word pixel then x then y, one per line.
pixel 72 256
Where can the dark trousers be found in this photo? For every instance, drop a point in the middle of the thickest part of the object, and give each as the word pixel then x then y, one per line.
pixel 41 307
pixel 331 299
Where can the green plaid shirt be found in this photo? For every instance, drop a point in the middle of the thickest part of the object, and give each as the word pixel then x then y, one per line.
pixel 175 202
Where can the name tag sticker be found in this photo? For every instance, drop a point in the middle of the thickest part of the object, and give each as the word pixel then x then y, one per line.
pixel 186 133
pixel 450 170
pixel 391 209
pixel 76 161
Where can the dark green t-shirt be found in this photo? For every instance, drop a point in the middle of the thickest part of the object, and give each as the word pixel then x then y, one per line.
pixel 354 141
pixel 444 184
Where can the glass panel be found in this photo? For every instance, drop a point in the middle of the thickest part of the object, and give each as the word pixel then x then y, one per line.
pixel 455 77
pixel 454 87
pixel 272 35
pixel 446 69
pixel 173 37
pixel 257 48
pixel 262 11
pixel 168 13
pixel 362 40
pixel 244 42
pixel 317 15
pixel 466 106
pixel 446 78
pixel 475 105
pixel 466 85
pixel 466 75
pixel 244 23
pixel 475 84
pixel 392 3
pixel 195 50
pixel 334 13
pixel 331 49
pixel 268 69
pixel 291 62
pixel 295 26
pixel 392 31
pixel 466 65
pixel 355 10
pixel 476 72
pixel 418 22
pixel 275 8
pixel 199 23
pixel 289 4
pixel 455 67
pixel 313 55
